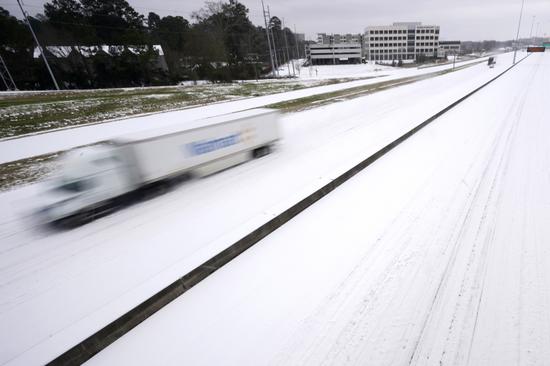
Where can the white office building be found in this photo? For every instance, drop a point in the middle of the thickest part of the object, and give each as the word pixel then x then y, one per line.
pixel 401 41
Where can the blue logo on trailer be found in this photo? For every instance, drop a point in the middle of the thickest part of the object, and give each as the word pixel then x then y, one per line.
pixel 204 147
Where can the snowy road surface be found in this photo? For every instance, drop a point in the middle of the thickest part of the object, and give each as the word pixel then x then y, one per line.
pixel 58 288
pixel 51 142
pixel 436 255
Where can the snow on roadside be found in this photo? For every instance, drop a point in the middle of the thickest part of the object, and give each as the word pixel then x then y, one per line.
pixel 26 147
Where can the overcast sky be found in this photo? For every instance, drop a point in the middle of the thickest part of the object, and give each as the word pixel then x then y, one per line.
pixel 459 19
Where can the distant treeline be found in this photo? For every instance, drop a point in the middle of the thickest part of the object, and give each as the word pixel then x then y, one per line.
pixel 486 46
pixel 220 43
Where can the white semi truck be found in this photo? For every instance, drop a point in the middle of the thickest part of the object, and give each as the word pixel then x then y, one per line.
pixel 97 179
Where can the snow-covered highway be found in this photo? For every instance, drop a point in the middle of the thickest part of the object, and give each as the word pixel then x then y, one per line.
pixel 57 289
pixel 437 254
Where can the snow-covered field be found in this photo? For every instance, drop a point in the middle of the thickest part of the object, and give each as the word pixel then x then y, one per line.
pixel 315 72
pixel 333 71
pixel 29 146
pixel 436 255
pixel 58 288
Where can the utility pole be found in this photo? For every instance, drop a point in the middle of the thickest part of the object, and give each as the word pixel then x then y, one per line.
pixel 6 76
pixel 274 43
pixel 296 42
pixel 268 40
pixel 38 44
pixel 454 60
pixel 517 34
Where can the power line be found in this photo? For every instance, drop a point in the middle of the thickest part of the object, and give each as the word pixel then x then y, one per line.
pixel 48 21
pixel 88 25
pixel 36 6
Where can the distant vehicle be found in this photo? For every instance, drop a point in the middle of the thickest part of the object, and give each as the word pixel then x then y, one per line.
pixel 95 180
pixel 491 61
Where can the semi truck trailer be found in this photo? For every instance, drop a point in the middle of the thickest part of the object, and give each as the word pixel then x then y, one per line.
pixel 94 180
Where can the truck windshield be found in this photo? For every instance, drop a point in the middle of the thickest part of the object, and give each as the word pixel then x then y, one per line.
pixel 74 186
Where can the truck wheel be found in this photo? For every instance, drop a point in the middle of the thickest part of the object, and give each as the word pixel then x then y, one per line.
pixel 261 151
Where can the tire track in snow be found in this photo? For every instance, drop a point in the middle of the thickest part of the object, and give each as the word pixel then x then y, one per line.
pixel 342 343
pixel 495 170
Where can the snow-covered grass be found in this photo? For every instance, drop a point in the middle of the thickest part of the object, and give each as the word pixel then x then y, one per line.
pixel 25 113
pixel 317 72
pixel 318 100
pixel 28 112
pixel 27 171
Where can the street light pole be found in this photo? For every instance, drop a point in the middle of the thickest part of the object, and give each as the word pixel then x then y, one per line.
pixel 287 53
pixel 38 44
pixel 296 43
pixel 532 24
pixel 517 34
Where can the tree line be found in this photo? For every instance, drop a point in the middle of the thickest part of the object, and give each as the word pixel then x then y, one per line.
pixel 218 43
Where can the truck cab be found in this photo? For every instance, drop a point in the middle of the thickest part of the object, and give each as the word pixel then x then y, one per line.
pixel 88 180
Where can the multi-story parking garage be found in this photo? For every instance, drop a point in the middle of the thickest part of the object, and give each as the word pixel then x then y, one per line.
pixel 450 47
pixel 334 53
